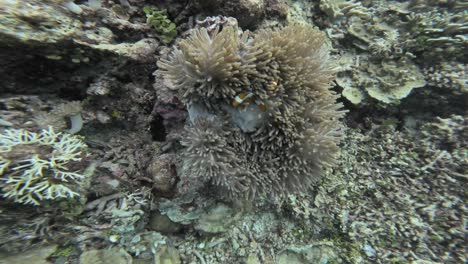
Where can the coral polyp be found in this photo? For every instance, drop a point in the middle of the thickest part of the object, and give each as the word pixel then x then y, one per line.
pixel 40 166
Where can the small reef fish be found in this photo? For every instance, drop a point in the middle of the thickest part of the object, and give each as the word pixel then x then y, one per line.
pixel 246 98
pixel 273 87
pixel 242 98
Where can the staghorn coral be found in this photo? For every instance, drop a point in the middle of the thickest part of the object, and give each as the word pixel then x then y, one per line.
pixel 242 150
pixel 40 166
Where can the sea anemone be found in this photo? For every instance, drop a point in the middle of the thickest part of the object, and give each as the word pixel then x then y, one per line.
pixel 276 79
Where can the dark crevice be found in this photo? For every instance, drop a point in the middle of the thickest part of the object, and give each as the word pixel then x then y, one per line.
pixel 158 131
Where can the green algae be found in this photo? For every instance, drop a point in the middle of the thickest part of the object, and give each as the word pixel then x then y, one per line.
pixel 165 28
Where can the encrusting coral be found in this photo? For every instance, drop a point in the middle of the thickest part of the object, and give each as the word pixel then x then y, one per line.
pixel 40 166
pixel 263 119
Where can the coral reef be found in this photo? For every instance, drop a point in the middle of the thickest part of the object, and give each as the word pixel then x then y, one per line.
pixel 387 170
pixel 384 48
pixel 40 166
pixel 282 139
pixel 234 113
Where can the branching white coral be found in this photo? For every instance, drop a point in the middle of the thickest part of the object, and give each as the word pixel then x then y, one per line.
pixel 39 166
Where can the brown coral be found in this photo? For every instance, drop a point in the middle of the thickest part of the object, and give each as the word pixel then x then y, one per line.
pixel 287 71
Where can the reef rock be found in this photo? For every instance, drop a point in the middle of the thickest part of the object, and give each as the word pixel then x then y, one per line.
pixel 163 173
pixel 36 255
pixel 109 256
pixel 247 12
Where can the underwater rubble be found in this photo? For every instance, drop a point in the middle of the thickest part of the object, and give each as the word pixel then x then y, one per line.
pixel 245 131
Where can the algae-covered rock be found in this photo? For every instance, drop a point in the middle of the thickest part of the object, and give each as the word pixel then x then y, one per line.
pixel 162 171
pixel 106 256
pixel 394 80
pixel 48 24
pixel 354 95
pixel 142 51
pixel 143 243
pixel 39 23
pixel 320 253
pixel 387 81
pixel 167 255
pixel 252 259
pixel 51 49
pixel 162 223
pixel 185 209
pixel 34 22
pixel 35 255
pixel 217 219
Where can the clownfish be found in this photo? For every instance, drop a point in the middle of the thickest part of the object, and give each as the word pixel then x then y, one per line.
pixel 242 98
pixel 273 87
pixel 246 98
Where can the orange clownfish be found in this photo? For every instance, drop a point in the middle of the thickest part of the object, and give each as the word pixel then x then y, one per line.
pixel 242 98
pixel 246 98
pixel 273 87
